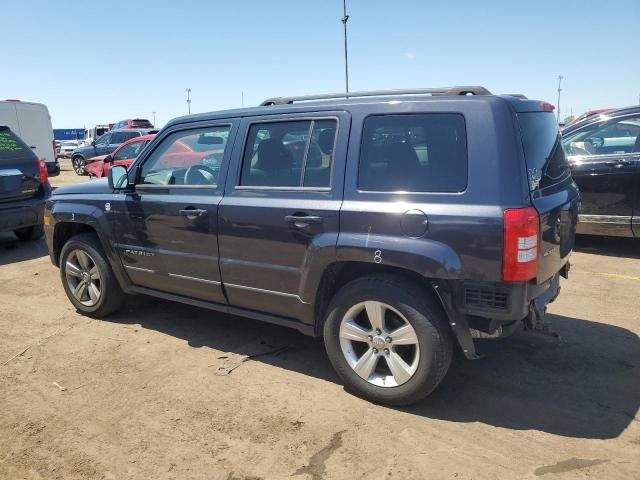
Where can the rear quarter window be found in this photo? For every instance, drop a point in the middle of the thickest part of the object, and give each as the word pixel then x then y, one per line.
pixel 12 147
pixel 543 152
pixel 413 153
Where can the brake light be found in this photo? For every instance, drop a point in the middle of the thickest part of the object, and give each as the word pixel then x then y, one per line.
pixel 547 107
pixel 521 244
pixel 42 170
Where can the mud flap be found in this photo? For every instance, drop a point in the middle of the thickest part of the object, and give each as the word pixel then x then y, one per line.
pixel 457 321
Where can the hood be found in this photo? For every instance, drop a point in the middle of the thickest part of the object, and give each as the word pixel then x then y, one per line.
pixel 92 187
pixel 99 158
pixel 85 149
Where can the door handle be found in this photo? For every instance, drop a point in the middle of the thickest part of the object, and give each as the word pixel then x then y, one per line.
pixel 619 163
pixel 193 213
pixel 301 221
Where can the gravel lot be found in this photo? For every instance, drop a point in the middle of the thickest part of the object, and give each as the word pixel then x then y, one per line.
pixel 161 391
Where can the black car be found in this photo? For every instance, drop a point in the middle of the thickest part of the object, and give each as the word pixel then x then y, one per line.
pixel 104 145
pixel 395 226
pixel 24 187
pixel 604 154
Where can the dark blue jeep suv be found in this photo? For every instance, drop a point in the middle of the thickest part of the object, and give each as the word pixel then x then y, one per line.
pixel 396 224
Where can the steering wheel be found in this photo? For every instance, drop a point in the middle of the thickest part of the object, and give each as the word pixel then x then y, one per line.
pixel 200 175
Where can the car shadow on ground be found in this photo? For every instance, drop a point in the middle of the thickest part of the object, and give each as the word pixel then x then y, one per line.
pixel 583 384
pixel 608 246
pixel 13 250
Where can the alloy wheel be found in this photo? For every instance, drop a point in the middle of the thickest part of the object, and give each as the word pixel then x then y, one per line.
pixel 83 278
pixel 379 344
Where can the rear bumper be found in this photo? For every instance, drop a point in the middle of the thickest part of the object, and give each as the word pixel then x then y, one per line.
pixel 22 213
pixel 53 169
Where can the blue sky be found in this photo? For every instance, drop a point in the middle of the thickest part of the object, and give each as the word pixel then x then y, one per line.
pixel 120 59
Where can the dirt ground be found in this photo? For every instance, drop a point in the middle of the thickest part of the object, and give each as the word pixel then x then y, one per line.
pixel 160 391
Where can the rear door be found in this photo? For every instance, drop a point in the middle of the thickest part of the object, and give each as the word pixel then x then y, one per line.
pixel 36 129
pixel 553 192
pixel 281 208
pixel 166 232
pixel 605 161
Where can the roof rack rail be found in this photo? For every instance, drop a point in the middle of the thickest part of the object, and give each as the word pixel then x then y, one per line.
pixel 464 90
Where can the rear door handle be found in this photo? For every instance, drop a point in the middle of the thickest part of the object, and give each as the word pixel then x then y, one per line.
pixel 193 213
pixel 303 220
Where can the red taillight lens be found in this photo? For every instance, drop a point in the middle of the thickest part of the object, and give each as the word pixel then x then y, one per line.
pixel 547 107
pixel 42 170
pixel 521 244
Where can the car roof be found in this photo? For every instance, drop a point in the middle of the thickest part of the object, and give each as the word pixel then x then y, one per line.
pixel 139 130
pixel 602 116
pixel 518 103
pixel 142 138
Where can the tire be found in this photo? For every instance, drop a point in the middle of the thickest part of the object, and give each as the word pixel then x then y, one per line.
pixel 407 303
pixel 34 232
pixel 78 164
pixel 110 296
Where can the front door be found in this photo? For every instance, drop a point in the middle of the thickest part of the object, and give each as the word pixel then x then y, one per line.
pixel 605 162
pixel 167 230
pixel 281 209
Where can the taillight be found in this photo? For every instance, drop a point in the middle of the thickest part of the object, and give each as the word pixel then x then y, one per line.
pixel 42 170
pixel 521 244
pixel 547 107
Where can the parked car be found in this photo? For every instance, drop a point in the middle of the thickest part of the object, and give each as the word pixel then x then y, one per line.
pixel 32 123
pixel 24 187
pixel 406 225
pixel 104 145
pixel 604 155
pixel 133 123
pixel 124 155
pixel 67 147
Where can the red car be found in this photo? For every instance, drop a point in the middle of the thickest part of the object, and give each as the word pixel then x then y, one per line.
pixel 133 123
pixel 125 154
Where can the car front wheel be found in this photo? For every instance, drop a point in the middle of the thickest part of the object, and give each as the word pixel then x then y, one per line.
pixel 88 279
pixel 78 164
pixel 388 339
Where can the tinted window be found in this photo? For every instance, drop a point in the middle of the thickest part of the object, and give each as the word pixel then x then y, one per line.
pixel 104 139
pixel 413 153
pixel 189 157
pixel 546 162
pixel 12 147
pixel 289 154
pixel 121 137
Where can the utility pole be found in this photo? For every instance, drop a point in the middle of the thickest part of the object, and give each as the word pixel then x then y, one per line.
pixel 242 98
pixel 154 118
pixel 188 90
pixel 344 20
pixel 560 77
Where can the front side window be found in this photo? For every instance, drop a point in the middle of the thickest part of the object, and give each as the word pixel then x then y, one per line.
pixel 131 150
pixel 294 154
pixel 413 153
pixel 188 157
pixel 609 137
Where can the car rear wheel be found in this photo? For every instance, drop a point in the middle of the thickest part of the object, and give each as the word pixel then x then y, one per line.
pixel 88 279
pixel 30 233
pixel 388 339
pixel 78 165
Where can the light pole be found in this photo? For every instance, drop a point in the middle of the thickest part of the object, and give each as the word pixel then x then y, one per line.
pixel 560 77
pixel 344 20
pixel 154 118
pixel 188 90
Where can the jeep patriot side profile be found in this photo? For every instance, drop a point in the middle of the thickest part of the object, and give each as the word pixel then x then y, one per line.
pixel 396 224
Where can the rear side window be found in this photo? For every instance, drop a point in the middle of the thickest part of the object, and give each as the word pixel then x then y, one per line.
pixel 413 153
pixel 295 154
pixel 543 152
pixel 121 137
pixel 12 147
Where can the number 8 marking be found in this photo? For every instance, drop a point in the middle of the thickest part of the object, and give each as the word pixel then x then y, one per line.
pixel 377 256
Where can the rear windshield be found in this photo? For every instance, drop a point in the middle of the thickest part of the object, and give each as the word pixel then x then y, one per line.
pixel 12 147
pixel 141 124
pixel 546 162
pixel 413 153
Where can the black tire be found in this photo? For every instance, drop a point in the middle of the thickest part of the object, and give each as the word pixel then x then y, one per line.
pixel 111 298
pixel 78 164
pixel 421 310
pixel 34 232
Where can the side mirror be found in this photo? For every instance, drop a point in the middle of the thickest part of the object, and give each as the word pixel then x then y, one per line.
pixel 108 159
pixel 118 179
